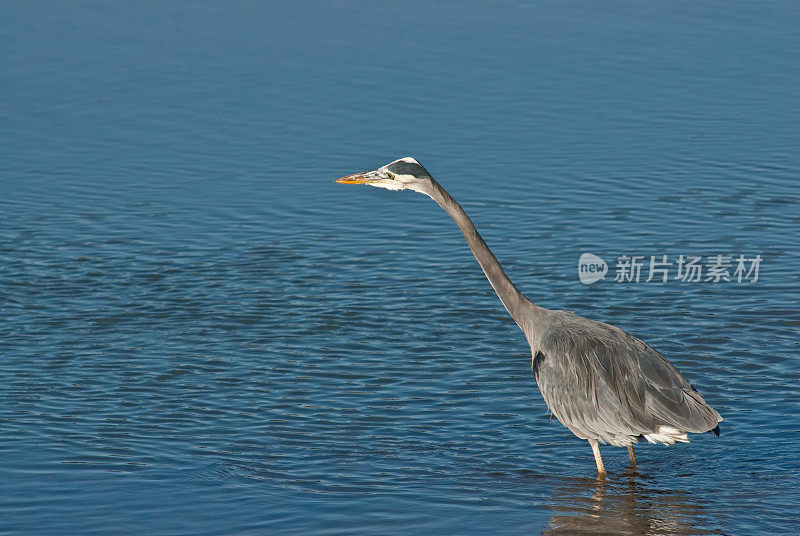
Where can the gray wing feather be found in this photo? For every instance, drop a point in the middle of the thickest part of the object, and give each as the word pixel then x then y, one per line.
pixel 604 384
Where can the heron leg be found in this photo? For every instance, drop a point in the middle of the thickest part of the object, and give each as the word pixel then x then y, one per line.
pixel 631 455
pixel 601 470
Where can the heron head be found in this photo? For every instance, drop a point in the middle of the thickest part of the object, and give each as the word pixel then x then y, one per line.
pixel 402 174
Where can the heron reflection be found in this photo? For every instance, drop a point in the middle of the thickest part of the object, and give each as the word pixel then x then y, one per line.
pixel 625 507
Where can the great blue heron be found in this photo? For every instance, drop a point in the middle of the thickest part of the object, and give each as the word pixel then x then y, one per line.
pixel 603 384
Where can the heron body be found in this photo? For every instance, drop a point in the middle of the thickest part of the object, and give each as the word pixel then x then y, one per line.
pixel 603 384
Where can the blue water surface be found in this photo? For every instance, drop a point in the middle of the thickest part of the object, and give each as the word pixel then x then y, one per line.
pixel 202 334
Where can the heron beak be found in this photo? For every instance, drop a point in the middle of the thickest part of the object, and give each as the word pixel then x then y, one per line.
pixel 356 178
pixel 371 178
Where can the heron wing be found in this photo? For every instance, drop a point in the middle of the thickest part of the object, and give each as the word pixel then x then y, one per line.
pixel 605 384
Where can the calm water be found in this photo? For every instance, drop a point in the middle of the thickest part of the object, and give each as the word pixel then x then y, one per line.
pixel 203 335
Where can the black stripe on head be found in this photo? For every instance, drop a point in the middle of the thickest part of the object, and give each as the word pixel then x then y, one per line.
pixel 408 168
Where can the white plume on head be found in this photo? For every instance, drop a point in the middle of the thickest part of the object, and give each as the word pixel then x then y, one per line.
pixel 407 174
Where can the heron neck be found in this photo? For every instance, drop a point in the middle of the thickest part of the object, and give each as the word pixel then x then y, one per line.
pixel 513 300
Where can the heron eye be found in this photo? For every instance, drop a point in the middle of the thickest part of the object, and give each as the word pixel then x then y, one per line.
pixel 390 174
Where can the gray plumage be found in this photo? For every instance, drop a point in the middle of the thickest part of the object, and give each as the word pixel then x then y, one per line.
pixel 603 384
pixel 607 385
